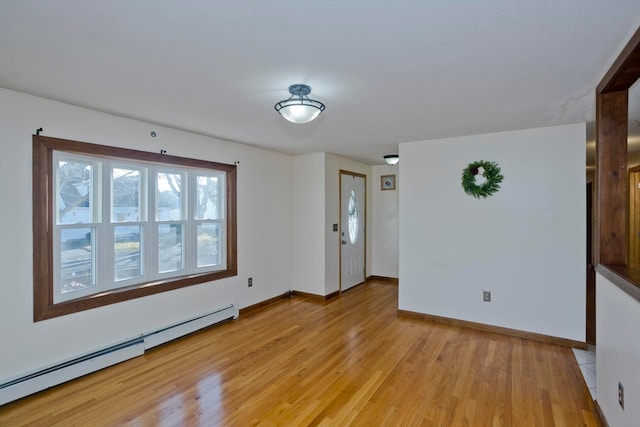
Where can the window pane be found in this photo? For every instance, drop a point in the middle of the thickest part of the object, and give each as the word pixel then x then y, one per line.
pixel 169 197
pixel 208 244
pixel 76 259
pixel 170 248
pixel 127 250
pixel 75 183
pixel 353 217
pixel 207 205
pixel 125 195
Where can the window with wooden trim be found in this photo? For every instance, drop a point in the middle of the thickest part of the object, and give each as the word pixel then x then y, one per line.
pixel 113 224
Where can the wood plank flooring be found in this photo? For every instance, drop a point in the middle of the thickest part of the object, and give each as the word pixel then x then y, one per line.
pixel 349 361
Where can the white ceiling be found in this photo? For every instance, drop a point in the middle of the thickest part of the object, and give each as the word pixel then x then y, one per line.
pixel 388 71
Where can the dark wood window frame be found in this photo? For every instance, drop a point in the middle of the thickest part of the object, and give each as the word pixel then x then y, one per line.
pixel 612 176
pixel 43 214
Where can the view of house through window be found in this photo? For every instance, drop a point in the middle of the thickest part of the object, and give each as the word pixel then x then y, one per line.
pixel 136 221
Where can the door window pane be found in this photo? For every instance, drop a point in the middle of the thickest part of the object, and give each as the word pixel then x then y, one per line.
pixel 169 197
pixel 127 252
pixel 208 244
pixel 74 192
pixel 125 195
pixel 353 217
pixel 170 245
pixel 77 264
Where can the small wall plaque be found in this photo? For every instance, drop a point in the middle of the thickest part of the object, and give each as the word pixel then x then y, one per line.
pixel 388 182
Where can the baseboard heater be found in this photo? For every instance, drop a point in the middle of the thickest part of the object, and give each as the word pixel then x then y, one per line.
pixel 82 365
pixel 169 333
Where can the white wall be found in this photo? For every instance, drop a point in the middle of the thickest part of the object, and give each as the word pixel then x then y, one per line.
pixel 316 184
pixel 308 223
pixel 618 353
pixel 525 244
pixel 384 224
pixel 264 233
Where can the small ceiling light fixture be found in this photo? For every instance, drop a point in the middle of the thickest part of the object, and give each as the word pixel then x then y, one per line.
pixel 299 108
pixel 391 159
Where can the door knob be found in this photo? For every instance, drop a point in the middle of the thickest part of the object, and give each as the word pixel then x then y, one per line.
pixel 344 242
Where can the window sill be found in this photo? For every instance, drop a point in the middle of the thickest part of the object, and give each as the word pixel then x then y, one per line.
pixel 625 278
pixel 44 310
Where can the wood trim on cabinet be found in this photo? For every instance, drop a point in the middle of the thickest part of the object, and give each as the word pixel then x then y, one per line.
pixel 625 69
pixel 611 206
pixel 628 280
pixel 611 176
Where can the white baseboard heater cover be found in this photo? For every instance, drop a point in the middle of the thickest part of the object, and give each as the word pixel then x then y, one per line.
pixel 71 369
pixel 169 333
pixel 74 368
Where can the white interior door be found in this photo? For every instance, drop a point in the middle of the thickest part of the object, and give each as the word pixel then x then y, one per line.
pixel 352 225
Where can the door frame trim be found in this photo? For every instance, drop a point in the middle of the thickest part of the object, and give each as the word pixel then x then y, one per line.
pixel 342 172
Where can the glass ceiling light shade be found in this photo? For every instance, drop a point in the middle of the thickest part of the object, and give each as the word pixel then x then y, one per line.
pixel 299 108
pixel 391 159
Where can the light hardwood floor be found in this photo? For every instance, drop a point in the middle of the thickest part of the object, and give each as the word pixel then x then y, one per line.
pixel 349 361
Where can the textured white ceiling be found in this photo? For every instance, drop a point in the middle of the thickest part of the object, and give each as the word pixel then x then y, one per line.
pixel 388 71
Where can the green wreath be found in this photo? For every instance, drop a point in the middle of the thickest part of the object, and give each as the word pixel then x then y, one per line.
pixel 489 170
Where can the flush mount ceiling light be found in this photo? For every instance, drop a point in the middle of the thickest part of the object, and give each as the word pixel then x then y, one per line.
pixel 391 159
pixel 299 108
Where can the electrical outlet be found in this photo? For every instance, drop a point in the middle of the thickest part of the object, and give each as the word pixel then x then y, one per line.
pixel 621 395
pixel 486 296
pixel 250 281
